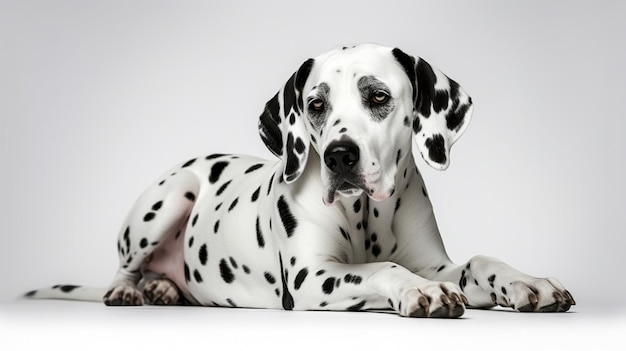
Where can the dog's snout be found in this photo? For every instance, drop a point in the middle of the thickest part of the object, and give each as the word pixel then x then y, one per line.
pixel 341 157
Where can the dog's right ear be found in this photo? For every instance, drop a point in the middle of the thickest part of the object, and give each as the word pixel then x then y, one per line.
pixel 282 127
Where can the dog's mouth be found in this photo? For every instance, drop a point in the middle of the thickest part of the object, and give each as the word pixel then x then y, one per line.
pixel 348 189
pixel 343 189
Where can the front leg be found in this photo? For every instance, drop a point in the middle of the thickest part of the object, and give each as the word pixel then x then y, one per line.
pixel 487 282
pixel 378 285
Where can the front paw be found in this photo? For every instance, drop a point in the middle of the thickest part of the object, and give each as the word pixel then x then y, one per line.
pixel 538 295
pixel 432 300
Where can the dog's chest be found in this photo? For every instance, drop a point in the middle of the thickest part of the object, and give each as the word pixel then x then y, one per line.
pixel 369 229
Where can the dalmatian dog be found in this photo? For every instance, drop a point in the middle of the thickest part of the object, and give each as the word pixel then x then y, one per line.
pixel 341 222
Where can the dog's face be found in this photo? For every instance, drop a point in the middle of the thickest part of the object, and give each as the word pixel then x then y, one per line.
pixel 358 107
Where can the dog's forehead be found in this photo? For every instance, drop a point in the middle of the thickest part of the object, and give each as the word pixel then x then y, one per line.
pixel 355 62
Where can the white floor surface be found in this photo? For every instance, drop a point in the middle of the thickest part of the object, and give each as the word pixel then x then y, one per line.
pixel 30 325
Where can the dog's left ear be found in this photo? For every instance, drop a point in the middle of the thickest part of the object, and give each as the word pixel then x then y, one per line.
pixel 282 127
pixel 441 112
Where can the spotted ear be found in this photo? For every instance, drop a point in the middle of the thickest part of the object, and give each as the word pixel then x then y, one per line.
pixel 282 127
pixel 442 110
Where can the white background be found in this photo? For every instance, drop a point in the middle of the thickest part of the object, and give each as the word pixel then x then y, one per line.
pixel 97 98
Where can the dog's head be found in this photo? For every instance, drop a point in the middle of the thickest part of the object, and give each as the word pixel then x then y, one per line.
pixel 358 107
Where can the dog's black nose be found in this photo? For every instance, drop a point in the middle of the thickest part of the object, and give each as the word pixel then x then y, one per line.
pixel 341 156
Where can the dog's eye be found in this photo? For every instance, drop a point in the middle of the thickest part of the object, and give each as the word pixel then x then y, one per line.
pixel 316 105
pixel 379 97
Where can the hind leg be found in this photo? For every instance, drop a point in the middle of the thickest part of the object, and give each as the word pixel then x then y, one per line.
pixel 154 225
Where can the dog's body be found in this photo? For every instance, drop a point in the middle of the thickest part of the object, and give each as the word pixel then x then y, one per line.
pixel 346 225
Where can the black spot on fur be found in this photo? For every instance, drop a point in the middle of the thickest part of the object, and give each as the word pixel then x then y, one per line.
pixel 406 122
pixel 287 298
pixel 259 235
pixel 417 126
pixel 216 171
pixel 189 163
pixel 203 254
pixel 357 307
pixel 194 220
pixel 269 186
pixel 456 115
pixel 293 163
pixel 68 288
pixel 352 279
pixel 269 277
pixel 320 272
pixel 376 250
pixel 231 303
pixel 191 241
pixel 157 206
pixel 214 156
pixel 255 194
pixel 233 262
pixel 143 243
pixel 269 126
pixel 30 293
pixel 197 276
pixel 292 261
pixel 149 216
pixel 375 212
pixel 357 205
pixel 440 101
pixel 233 204
pixel 216 226
pixel 225 272
pixel 436 149
pixel 190 196
pixel 300 278
pixel 222 188
pixel 345 234
pixel 186 272
pixel 253 168
pixel 328 286
pixel 397 205
pixel 491 279
pixel 426 80
pixel 289 221
pixel 441 268
pixel 299 145
pixel 424 191
pixel 245 269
